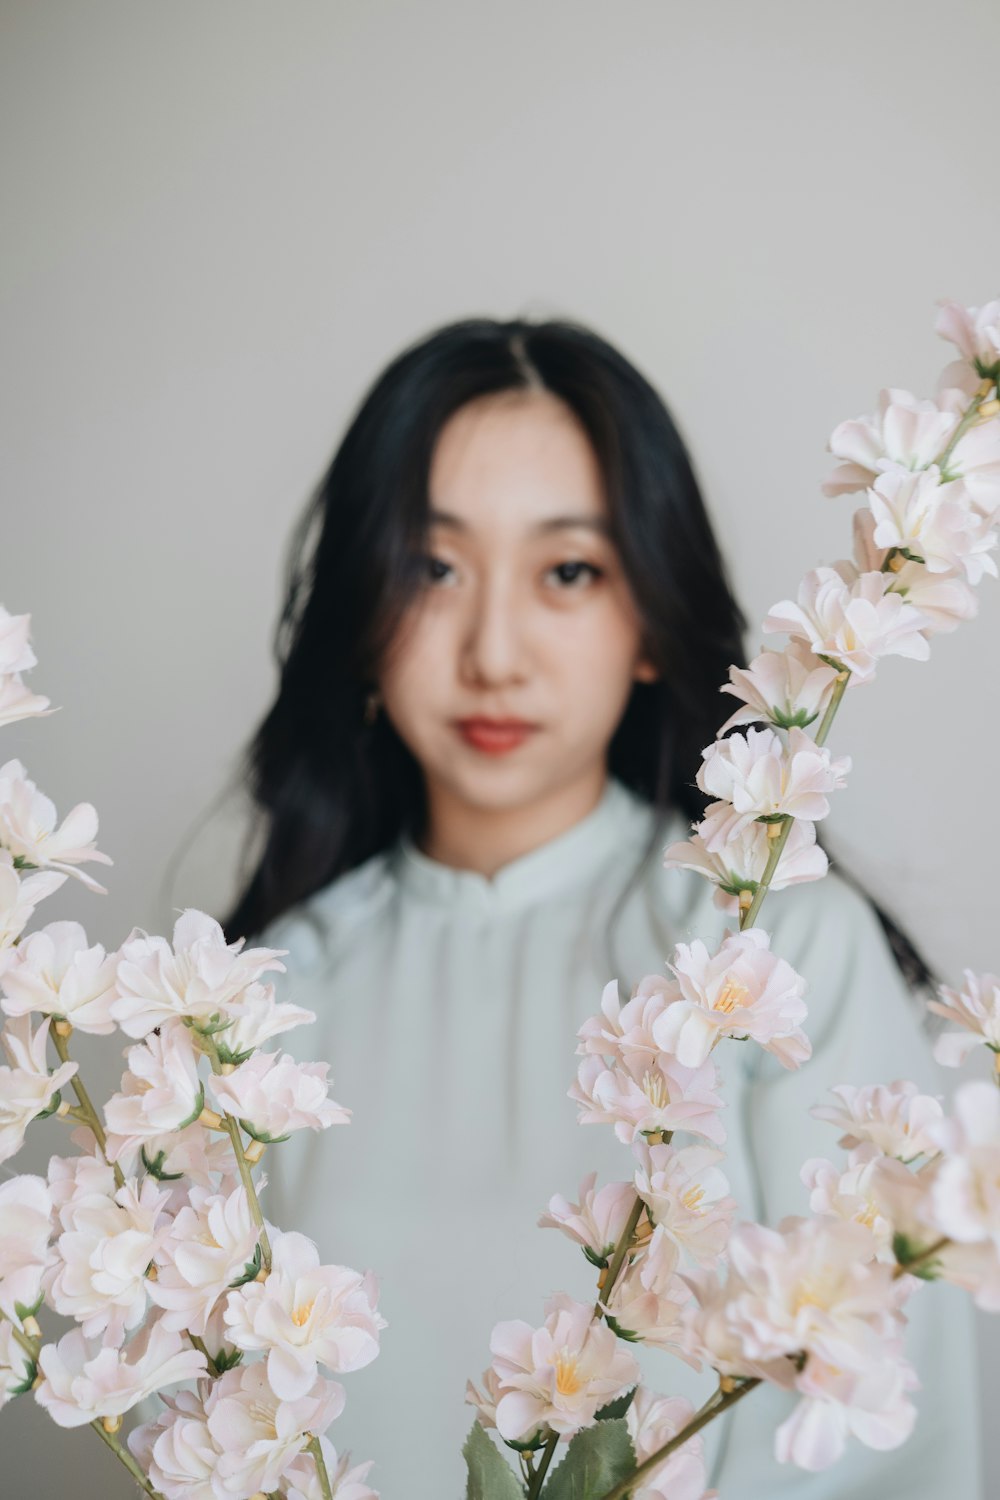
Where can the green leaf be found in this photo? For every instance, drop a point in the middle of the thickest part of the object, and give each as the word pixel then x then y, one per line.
pixel 597 1459
pixel 616 1408
pixel 251 1268
pixel 490 1476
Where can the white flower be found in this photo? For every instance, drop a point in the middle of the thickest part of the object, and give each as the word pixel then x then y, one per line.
pixel 211 1244
pixel 763 778
pixel 28 828
pixel 271 1094
pixel 177 1451
pixel 25 1215
pixel 17 1368
pixel 53 971
pixel 17 701
pixel 813 1289
pixel 649 1301
pixel 560 1374
pixel 19 895
pixel 895 1117
pixel 785 688
pixel 975 332
pixel 904 432
pixel 198 978
pixel 853 1193
pixel 300 1480
pixel 258 1017
pixel 976 1010
pixel 16 656
pixel 305 1314
pixel 652 1421
pixel 204 1156
pixel 742 990
pixel 935 523
pixel 654 1095
pixel 105 1245
pixel 597 1221
pixel 161 1091
pixel 739 864
pixel 257 1434
pixel 687 1196
pixel 81 1383
pixel 485 1401
pixel 27 1088
pixel 855 622
pixel 863 1394
pixel 964 1197
pixel 944 599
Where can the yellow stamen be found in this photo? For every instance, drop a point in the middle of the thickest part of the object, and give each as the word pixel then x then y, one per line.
pixel 568 1381
pixel 897 562
pixel 692 1199
pixel 300 1317
pixel 654 1086
pixel 733 996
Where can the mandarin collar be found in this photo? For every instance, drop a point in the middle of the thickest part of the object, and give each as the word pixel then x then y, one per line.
pixel 620 825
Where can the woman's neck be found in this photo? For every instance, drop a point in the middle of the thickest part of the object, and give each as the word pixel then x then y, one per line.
pixel 466 836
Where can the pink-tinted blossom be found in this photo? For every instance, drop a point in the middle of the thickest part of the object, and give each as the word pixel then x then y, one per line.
pixel 652 1421
pixel 741 990
pixel 649 1301
pixel 19 895
pixel 28 828
pixel 81 1382
pixel 301 1481
pixel 894 1117
pixel 598 1221
pixel 855 622
pixel 210 1246
pixel 936 523
pixel 762 777
pixel 271 1094
pixel 305 1314
pixel 25 1229
pixel 27 1088
pixel 739 864
pixel 975 332
pixel 196 978
pixel 784 688
pixel 853 1193
pixel 975 1009
pixel 687 1196
pixel 257 1434
pixel 655 1094
pixel 560 1374
pixel 56 973
pixel 161 1091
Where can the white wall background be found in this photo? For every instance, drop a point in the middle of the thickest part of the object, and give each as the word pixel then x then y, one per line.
pixel 221 219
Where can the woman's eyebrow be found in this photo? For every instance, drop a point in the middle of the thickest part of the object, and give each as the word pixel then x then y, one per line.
pixel 600 524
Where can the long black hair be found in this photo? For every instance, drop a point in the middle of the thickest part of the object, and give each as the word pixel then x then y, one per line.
pixel 331 789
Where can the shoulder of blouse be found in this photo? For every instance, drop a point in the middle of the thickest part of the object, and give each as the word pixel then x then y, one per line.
pixel 311 930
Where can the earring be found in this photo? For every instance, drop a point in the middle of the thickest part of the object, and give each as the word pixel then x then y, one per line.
pixel 373 702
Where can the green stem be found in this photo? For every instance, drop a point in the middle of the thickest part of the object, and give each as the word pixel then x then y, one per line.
pixel 970 415
pixel 125 1457
pixel 27 1343
pixel 201 1346
pixel 91 1118
pixel 621 1250
pixel 922 1258
pixel 246 1174
pixel 314 1448
pixel 712 1409
pixel 777 844
pixel 535 1488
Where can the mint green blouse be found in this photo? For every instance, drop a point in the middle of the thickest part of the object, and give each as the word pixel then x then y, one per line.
pixel 448 1006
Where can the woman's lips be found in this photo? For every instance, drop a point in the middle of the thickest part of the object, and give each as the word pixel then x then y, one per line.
pixel 494 736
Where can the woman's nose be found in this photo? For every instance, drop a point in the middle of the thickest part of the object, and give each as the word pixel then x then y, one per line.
pixel 493 650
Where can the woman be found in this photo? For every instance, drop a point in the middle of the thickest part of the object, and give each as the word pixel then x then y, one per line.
pixel 506 626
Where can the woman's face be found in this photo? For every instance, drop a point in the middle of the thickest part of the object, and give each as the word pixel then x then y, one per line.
pixel 513 665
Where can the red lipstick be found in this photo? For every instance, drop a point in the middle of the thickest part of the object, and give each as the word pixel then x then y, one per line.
pixel 494 736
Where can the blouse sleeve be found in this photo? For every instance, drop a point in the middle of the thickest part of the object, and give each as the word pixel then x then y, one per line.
pixel 866 1027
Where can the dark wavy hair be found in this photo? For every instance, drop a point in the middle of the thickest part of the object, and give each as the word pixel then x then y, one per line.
pixel 329 789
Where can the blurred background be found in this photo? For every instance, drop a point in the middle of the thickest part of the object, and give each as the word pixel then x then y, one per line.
pixel 221 220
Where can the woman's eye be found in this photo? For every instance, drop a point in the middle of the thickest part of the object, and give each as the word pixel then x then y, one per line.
pixel 574 574
pixel 438 571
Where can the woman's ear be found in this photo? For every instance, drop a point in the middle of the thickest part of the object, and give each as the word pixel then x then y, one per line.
pixel 645 671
